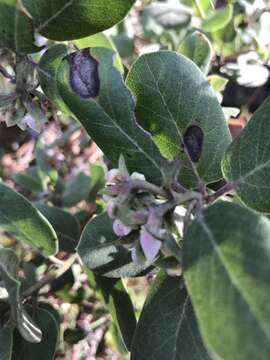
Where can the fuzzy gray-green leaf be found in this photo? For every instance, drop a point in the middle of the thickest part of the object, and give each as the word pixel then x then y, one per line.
pixel 167 328
pixel 74 19
pixel 227 270
pixel 247 161
pixel 172 95
pixel 97 95
pixel 22 220
pixel 101 251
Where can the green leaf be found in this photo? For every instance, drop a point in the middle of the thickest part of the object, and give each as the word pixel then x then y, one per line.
pixel 45 350
pixel 225 39
pixel 167 327
pixel 218 19
pixel 97 181
pixel 65 225
pixel 197 48
pixel 77 189
pixel 100 40
pixel 73 336
pixel 21 219
pixel 120 307
pixel 247 161
pixel 69 19
pixel 16 29
pixel 47 70
pixel 101 251
pixel 200 7
pixel 227 270
pixel 52 310
pixel 9 268
pixel 42 162
pixel 6 343
pixel 217 82
pixel 29 179
pixel 173 97
pixel 64 138
pixel 105 107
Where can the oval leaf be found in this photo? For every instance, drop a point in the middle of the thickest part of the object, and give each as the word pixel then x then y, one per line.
pixel 120 307
pixel 197 48
pixel 16 29
pixel 9 268
pixel 227 271
pixel 66 226
pixel 218 19
pixel 47 70
pixel 101 251
pixel 45 350
pixel 167 327
pixel 172 94
pixel 108 117
pixel 100 40
pixel 69 19
pixel 247 161
pixel 21 219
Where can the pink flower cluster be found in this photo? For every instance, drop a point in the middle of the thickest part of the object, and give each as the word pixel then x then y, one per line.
pixel 145 246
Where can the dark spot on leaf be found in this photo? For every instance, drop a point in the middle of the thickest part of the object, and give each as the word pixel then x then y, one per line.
pixel 84 78
pixel 193 142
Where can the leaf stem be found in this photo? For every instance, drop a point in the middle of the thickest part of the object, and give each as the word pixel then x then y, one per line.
pixel 199 8
pixel 220 192
pixel 145 185
pixel 47 279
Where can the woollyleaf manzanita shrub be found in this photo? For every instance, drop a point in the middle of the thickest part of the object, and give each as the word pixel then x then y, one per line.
pixel 186 147
pixel 167 146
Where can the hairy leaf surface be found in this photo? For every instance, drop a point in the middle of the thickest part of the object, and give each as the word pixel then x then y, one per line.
pixel 9 268
pixel 108 116
pixel 73 19
pixel 172 95
pixel 45 350
pixel 101 251
pixel 16 29
pixel 21 219
pixel 167 328
pixel 247 161
pixel 227 270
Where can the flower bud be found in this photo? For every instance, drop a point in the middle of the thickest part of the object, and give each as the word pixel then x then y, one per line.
pixel 150 245
pixel 112 175
pixel 121 229
pixel 111 209
pixel 140 217
pixel 112 189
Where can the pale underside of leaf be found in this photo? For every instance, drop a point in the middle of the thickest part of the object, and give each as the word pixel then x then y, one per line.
pixel 9 267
